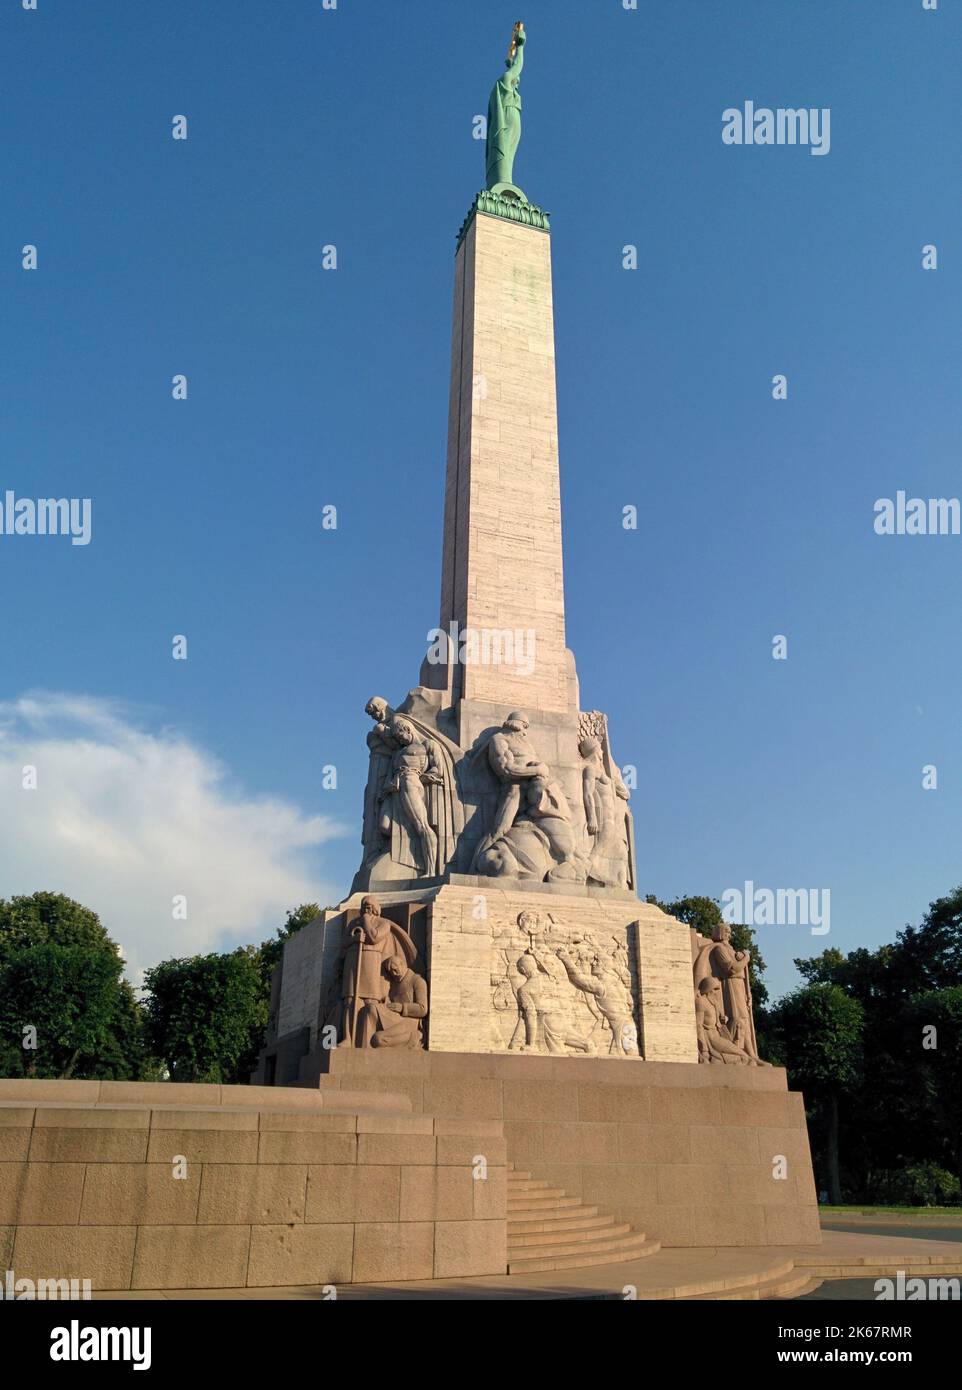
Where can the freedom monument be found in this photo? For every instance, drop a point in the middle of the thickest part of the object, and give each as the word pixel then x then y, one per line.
pixel 493 958
pixel 492 1058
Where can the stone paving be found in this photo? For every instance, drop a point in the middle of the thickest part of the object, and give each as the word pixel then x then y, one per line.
pixel 747 1273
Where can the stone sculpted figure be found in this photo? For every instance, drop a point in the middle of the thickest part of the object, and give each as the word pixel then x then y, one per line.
pixel 396 1020
pixel 531 835
pixel 370 942
pixel 714 1042
pixel 413 813
pixel 504 116
pixel 413 768
pixel 604 798
pixel 544 1025
pixel 730 997
pixel 381 746
pixel 613 999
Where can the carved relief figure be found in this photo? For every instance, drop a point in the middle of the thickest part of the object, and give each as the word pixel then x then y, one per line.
pixel 531 835
pixel 543 1022
pixel 604 798
pixel 613 999
pixel 563 992
pixel 370 942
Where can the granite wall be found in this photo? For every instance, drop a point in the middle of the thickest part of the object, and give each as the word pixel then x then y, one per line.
pixel 164 1186
pixel 692 1155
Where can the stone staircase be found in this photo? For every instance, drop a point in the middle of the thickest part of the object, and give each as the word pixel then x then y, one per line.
pixel 547 1229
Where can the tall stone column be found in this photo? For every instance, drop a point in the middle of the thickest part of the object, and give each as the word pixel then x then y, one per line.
pixel 502 565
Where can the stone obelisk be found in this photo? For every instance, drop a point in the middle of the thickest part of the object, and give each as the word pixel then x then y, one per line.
pixel 502 564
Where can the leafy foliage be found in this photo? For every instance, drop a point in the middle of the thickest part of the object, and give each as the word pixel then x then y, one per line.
pixel 64 1009
pixel 207 1015
pixel 200 1013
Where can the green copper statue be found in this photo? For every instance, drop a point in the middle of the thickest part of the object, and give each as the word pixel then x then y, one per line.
pixel 504 119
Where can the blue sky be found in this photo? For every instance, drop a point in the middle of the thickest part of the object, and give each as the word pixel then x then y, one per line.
pixel 354 127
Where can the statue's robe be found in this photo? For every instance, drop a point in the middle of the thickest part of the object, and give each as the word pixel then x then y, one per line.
pixel 504 124
pixel 736 992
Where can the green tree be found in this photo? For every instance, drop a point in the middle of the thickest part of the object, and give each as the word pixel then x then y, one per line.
pixel 65 1011
pixel 933 1062
pixel 201 1012
pixel 819 1030
pixel 890 1121
pixel 929 956
pixel 206 1016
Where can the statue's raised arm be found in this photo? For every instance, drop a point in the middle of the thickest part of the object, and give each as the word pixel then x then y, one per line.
pixel 504 118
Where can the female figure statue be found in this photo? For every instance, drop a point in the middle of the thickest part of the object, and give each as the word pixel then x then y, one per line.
pixel 504 116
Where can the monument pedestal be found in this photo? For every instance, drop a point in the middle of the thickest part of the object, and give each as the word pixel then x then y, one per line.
pixel 688 1155
pixel 470 933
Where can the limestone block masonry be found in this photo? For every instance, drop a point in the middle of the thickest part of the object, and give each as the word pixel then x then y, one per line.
pixel 691 1155
pixel 502 563
pixel 165 1186
pixel 470 957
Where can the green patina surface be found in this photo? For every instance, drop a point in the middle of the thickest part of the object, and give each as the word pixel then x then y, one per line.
pixel 512 209
pixel 501 197
pixel 504 116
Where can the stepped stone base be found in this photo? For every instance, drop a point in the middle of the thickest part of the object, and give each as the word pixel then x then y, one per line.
pixel 687 1154
pixel 547 1229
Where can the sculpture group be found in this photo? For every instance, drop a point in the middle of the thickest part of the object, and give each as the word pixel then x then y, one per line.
pixel 379 1000
pixel 724 1022
pixel 421 786
pixel 565 992
pixel 412 810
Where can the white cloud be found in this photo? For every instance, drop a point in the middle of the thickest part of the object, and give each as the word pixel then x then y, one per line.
pixel 124 819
